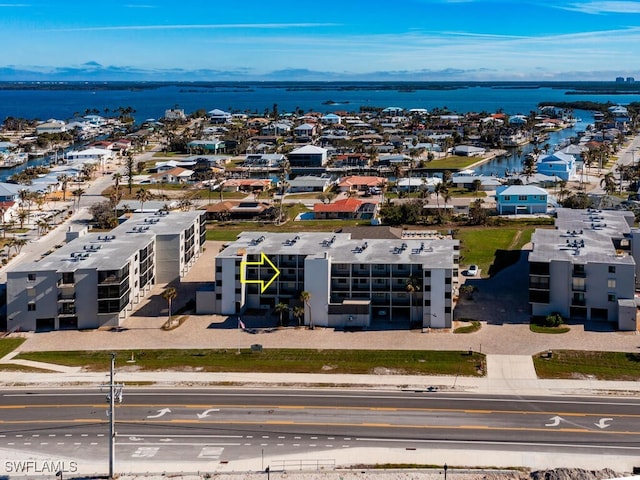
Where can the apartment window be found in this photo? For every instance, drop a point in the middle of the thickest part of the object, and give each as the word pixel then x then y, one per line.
pixel 427 302
pixel 507 198
pixel 379 267
pixel 238 290
pixel 31 306
pixel 218 296
pixel 218 269
pixel 578 270
pixel 31 277
pixel 611 283
pixel 68 278
pixel 522 198
pixel 611 297
pixel 342 280
pixel 612 269
pixel 447 309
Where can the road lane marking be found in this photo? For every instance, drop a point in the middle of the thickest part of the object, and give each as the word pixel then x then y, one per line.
pixel 181 444
pixel 213 453
pixel 492 442
pixel 145 452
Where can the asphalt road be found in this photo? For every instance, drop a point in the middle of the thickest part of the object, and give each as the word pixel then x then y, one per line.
pixel 195 430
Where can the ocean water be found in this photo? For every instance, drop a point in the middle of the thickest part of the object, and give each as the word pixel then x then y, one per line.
pixel 150 101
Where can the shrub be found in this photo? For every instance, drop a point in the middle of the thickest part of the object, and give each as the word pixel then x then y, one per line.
pixel 553 320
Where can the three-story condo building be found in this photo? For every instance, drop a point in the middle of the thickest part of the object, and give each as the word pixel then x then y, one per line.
pixel 97 279
pixel 350 282
pixel 585 268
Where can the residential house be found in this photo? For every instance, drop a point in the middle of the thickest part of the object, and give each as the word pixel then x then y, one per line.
pixel 175 114
pixel 357 183
pixel 218 116
pixel 237 210
pixel 51 126
pixel 213 145
pixel 305 131
pixel 468 151
pixel 346 209
pixel 521 199
pixel 331 119
pixel 308 156
pixel 176 175
pixel 308 183
pixel 247 185
pixel 557 164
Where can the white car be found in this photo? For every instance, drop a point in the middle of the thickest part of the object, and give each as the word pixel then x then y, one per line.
pixel 472 271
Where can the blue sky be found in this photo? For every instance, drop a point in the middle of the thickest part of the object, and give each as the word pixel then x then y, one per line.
pixel 347 39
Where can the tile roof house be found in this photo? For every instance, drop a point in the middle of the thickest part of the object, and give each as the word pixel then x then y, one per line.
pixel 360 183
pixel 348 208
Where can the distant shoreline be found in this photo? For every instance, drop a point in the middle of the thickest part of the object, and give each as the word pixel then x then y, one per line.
pixel 573 88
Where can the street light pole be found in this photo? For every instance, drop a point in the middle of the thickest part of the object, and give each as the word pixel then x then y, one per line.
pixel 115 393
pixel 112 419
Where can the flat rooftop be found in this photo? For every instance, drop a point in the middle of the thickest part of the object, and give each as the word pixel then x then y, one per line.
pixel 583 236
pixel 110 250
pixel 343 249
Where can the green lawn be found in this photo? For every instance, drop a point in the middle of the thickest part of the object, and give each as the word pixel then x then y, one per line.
pixel 493 248
pixel 451 163
pixel 599 365
pixel 407 362
pixel 8 345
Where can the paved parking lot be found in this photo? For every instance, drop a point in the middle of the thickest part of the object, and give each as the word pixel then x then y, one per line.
pixel 500 303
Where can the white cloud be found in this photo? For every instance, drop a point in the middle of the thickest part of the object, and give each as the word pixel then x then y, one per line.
pixel 596 8
pixel 199 27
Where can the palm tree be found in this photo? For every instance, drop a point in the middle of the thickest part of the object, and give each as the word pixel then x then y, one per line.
pixel 413 287
pixel 117 177
pixel 477 183
pixel 64 183
pixel 281 308
pixel 77 193
pixel 298 312
pixel 608 183
pixel 23 216
pixel 305 297
pixel 143 196
pixel 169 294
pixel 43 226
pixel 17 243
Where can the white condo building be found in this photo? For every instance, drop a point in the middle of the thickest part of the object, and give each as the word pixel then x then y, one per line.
pixel 351 283
pixel 586 268
pixel 97 279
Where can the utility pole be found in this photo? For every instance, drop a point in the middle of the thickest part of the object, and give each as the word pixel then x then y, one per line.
pixel 115 393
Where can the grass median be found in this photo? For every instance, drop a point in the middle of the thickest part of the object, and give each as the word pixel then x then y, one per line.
pixel 574 364
pixel 394 362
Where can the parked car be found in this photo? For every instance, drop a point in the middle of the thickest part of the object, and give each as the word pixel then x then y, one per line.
pixel 472 271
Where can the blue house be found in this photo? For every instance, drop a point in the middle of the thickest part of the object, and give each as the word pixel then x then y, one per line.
pixel 557 164
pixel 521 199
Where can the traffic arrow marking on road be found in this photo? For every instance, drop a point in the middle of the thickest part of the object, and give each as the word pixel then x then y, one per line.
pixel 135 439
pixel 166 440
pixel 160 413
pixel 207 412
pixel 604 423
pixel 264 284
pixel 555 421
